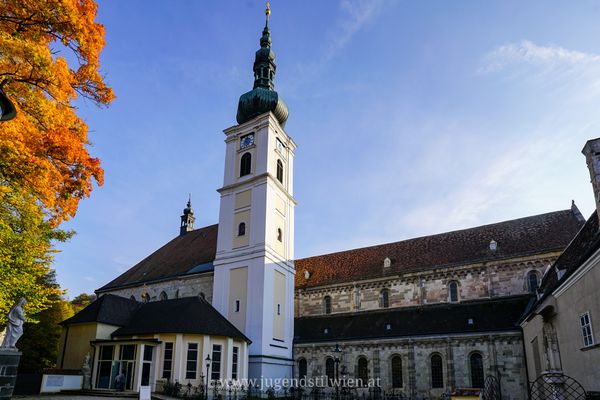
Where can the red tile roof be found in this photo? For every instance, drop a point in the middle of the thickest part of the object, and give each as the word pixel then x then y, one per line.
pixel 531 235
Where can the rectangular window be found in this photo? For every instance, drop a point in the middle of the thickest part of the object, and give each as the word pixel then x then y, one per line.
pixel 105 367
pixel 237 306
pixel 234 363
pixel 192 361
pixel 586 329
pixel 278 309
pixel 216 363
pixel 168 360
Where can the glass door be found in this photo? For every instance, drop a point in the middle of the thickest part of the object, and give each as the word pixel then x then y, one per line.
pixel 147 365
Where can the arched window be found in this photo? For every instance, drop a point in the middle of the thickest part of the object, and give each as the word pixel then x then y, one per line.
pixel 132 298
pixel 330 370
pixel 362 371
pixel 279 171
pixel 396 372
pixel 327 305
pixel 245 164
pixel 242 229
pixel 302 369
pixel 453 291
pixel 163 296
pixel 279 234
pixel 385 298
pixel 437 372
pixel 532 281
pixel 476 361
pixel 145 297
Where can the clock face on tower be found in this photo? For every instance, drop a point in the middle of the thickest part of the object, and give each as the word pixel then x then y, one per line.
pixel 247 140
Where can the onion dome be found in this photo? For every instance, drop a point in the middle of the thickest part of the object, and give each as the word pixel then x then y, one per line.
pixel 263 98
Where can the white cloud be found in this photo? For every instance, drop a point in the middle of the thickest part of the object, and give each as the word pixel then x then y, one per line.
pixel 528 53
pixel 354 15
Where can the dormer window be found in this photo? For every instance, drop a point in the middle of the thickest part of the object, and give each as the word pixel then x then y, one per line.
pixel 242 229
pixel 387 262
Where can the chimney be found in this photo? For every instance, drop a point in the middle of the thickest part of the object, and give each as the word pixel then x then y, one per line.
pixel 591 150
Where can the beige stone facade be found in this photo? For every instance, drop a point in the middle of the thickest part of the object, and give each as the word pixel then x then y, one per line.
pixel 502 356
pixel 195 285
pixel 476 281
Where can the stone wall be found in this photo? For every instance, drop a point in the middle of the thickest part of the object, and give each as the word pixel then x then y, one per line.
pixel 196 285
pixel 502 356
pixel 476 281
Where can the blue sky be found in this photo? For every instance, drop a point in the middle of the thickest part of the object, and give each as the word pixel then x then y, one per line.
pixel 411 118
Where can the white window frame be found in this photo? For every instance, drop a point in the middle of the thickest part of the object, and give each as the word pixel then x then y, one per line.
pixel 587 331
pixel 187 359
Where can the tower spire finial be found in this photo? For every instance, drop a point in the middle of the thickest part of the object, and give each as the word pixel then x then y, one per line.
pixel 267 13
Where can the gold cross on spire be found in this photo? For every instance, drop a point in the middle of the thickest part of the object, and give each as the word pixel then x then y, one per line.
pixel 268 11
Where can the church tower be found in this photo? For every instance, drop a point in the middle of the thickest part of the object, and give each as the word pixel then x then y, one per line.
pixel 254 267
pixel 187 219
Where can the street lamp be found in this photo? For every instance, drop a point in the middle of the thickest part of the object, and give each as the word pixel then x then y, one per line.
pixel 207 368
pixel 336 358
pixel 7 109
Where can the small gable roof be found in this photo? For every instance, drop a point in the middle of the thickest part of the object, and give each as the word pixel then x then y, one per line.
pixel 519 237
pixel 477 316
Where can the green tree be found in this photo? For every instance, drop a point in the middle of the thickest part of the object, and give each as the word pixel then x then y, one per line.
pixel 41 337
pixel 82 301
pixel 26 252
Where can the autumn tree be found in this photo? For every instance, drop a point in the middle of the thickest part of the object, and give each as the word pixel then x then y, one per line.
pixel 49 57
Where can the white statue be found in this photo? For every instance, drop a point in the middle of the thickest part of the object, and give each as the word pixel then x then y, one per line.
pixel 14 329
pixel 87 371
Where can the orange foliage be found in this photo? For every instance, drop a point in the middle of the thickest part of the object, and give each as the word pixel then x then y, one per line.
pixel 44 149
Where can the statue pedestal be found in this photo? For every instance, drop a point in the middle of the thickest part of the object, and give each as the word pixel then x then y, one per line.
pixel 9 363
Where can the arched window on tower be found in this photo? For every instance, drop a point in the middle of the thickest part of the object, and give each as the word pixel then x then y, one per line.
pixel 132 298
pixel 437 372
pixel 302 368
pixel 384 299
pixel 327 305
pixel 453 291
pixel 362 371
pixel 279 234
pixel 163 296
pixel 396 371
pixel 532 282
pixel 476 363
pixel 242 229
pixel 279 171
pixel 329 370
pixel 245 164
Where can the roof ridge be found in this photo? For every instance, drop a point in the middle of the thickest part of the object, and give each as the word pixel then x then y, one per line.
pixel 435 234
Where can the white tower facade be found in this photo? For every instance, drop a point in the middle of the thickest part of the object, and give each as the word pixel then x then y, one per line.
pixel 254 268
